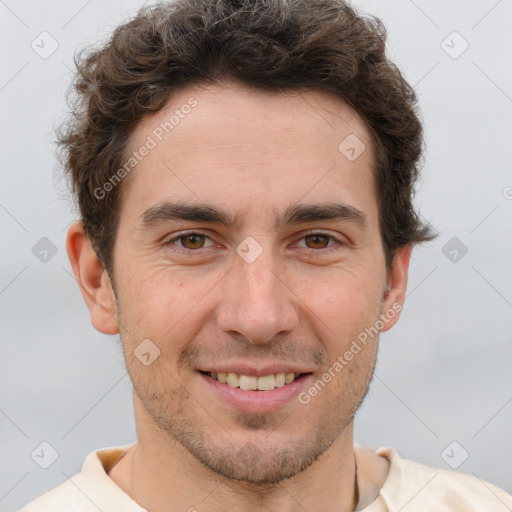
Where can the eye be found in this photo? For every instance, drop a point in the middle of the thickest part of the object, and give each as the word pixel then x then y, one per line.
pixel 191 241
pixel 319 241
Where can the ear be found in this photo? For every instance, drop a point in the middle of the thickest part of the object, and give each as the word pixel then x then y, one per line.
pixel 396 286
pixel 93 280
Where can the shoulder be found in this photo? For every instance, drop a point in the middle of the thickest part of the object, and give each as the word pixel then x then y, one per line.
pixel 411 484
pixel 90 490
pixel 66 496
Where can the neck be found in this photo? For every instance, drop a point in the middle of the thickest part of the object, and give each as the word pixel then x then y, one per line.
pixel 157 482
pixel 160 475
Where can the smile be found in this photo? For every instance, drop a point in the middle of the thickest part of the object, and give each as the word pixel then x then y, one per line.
pixel 252 383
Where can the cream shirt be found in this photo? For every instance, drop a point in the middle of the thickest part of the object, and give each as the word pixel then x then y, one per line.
pixel 409 487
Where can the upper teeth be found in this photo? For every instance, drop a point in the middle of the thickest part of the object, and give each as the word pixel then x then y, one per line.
pixel 247 382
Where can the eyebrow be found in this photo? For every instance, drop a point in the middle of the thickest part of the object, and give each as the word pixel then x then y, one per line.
pixel 294 214
pixel 301 213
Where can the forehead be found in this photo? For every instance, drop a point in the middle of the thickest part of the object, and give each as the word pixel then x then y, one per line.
pixel 246 148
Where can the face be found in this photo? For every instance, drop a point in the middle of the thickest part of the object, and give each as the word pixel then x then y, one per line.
pixel 249 243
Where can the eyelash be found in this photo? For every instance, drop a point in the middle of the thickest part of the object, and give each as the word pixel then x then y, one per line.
pixel 170 241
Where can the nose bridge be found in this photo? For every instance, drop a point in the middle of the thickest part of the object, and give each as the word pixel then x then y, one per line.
pixel 256 303
pixel 260 283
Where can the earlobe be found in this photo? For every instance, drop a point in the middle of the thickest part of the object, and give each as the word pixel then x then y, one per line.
pixel 93 280
pixel 396 286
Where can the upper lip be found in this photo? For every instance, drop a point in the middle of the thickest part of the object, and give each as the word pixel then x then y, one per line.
pixel 253 371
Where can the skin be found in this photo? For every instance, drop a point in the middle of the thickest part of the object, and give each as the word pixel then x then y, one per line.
pixel 303 300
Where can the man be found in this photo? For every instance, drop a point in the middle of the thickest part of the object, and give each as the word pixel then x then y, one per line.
pixel 244 172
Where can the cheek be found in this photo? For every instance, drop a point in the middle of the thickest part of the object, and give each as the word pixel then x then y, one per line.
pixel 343 302
pixel 162 302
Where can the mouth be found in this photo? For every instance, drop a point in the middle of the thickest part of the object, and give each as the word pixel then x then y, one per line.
pixel 252 388
pixel 253 383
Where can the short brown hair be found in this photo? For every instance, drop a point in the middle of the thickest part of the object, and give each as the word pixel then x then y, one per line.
pixel 270 45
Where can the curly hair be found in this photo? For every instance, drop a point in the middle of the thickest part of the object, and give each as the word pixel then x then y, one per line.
pixel 269 45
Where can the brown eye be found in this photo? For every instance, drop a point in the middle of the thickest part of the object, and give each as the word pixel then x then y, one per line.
pixel 317 241
pixel 193 241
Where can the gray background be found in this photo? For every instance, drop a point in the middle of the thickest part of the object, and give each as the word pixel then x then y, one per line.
pixel 444 370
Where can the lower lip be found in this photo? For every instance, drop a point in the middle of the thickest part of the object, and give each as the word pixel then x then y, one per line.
pixel 257 401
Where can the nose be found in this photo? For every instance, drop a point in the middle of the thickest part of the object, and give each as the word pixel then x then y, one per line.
pixel 257 303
